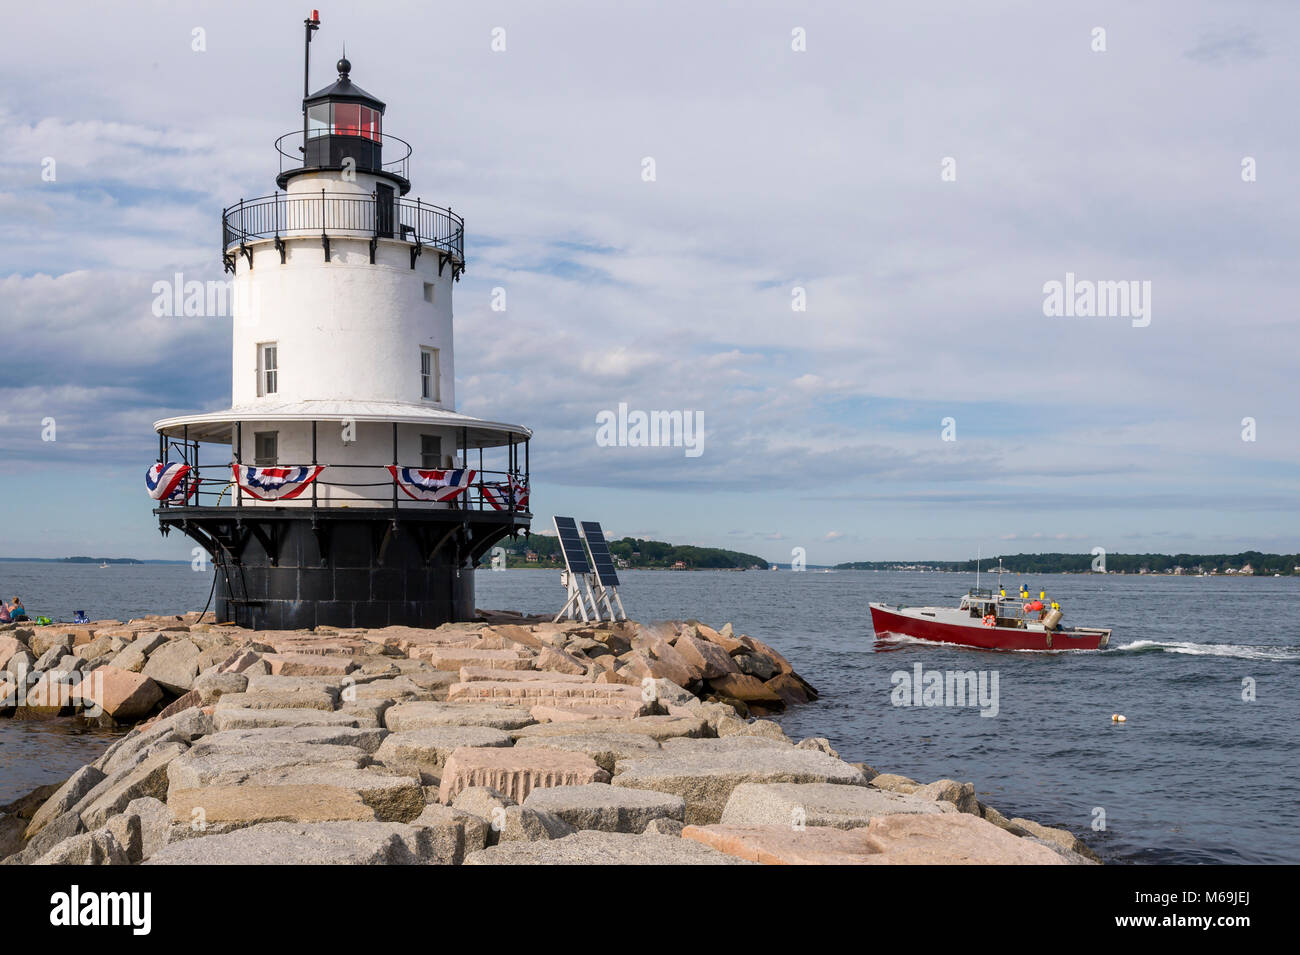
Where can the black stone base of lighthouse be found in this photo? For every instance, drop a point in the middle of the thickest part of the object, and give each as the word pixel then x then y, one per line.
pixel 287 569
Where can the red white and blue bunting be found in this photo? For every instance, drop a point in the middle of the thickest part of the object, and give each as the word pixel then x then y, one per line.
pixel 275 484
pixel 432 485
pixel 168 483
pixel 498 494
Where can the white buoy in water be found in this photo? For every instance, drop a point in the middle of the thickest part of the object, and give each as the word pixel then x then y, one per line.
pixel 1118 718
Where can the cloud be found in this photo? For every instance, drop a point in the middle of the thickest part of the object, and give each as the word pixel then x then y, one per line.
pixel 775 169
pixel 1221 48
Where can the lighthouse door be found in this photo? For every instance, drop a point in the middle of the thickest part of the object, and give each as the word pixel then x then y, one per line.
pixel 384 210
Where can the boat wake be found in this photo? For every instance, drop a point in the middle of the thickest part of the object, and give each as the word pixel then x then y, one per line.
pixel 1234 650
pixel 896 641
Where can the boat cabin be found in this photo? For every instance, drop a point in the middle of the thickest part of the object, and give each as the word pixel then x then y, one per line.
pixel 981 603
pixel 1007 611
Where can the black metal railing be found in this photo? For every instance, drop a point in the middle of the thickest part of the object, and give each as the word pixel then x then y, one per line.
pixel 286 215
pixel 398 151
pixel 213 485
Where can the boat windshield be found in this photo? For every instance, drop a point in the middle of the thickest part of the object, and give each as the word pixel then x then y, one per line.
pixel 980 604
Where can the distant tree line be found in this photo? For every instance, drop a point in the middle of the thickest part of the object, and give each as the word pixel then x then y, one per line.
pixel 1260 563
pixel 102 560
pixel 638 553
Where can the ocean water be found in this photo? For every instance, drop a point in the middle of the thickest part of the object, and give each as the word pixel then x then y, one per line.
pixel 1197 774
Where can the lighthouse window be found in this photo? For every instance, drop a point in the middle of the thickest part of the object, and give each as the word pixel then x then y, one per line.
pixel 430 452
pixel 266 448
pixel 429 373
pixel 318 120
pixel 428 291
pixel 268 370
pixel 352 119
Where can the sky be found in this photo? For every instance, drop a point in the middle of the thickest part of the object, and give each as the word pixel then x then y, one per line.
pixel 839 263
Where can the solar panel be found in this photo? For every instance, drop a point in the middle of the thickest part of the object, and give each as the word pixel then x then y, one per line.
pixel 575 555
pixel 600 556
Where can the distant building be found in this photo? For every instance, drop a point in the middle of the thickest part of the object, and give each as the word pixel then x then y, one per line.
pixel 679 565
pixel 1247 569
pixel 531 556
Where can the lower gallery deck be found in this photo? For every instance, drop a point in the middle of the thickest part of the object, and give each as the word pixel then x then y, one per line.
pixel 342 513
pixel 293 568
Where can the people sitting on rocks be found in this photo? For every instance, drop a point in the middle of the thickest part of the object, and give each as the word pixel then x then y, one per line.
pixel 17 612
pixel 4 613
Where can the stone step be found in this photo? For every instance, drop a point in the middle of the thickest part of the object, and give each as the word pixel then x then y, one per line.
pixel 605 807
pixel 308 664
pixel 420 715
pixel 321 843
pixel 516 772
pixel 240 718
pixel 575 711
pixel 705 775
pixel 537 691
pixel 216 809
pixel 819 804
pixel 589 847
pixel 909 839
pixel 656 727
pixel 427 750
pixel 479 674
pixel 606 748
pixel 453 658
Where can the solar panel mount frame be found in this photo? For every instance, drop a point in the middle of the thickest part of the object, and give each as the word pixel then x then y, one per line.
pixel 605 583
pixel 577 572
pixel 601 559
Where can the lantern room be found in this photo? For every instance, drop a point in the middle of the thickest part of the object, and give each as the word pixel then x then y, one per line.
pixel 343 128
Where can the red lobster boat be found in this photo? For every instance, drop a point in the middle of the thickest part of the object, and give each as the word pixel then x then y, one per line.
pixel 988 621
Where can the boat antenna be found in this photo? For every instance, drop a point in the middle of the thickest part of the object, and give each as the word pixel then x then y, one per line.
pixel 978 553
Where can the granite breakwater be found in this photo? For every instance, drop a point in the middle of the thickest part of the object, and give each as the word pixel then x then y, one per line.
pixel 506 740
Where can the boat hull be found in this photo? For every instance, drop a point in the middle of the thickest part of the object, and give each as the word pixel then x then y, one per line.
pixel 886 620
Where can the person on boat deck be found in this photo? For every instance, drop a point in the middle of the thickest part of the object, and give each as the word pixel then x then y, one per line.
pixel 17 612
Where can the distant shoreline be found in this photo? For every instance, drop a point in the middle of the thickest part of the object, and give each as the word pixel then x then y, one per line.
pixel 1251 563
pixel 856 567
pixel 86 560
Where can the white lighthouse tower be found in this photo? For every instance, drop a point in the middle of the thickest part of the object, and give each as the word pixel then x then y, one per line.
pixel 347 490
